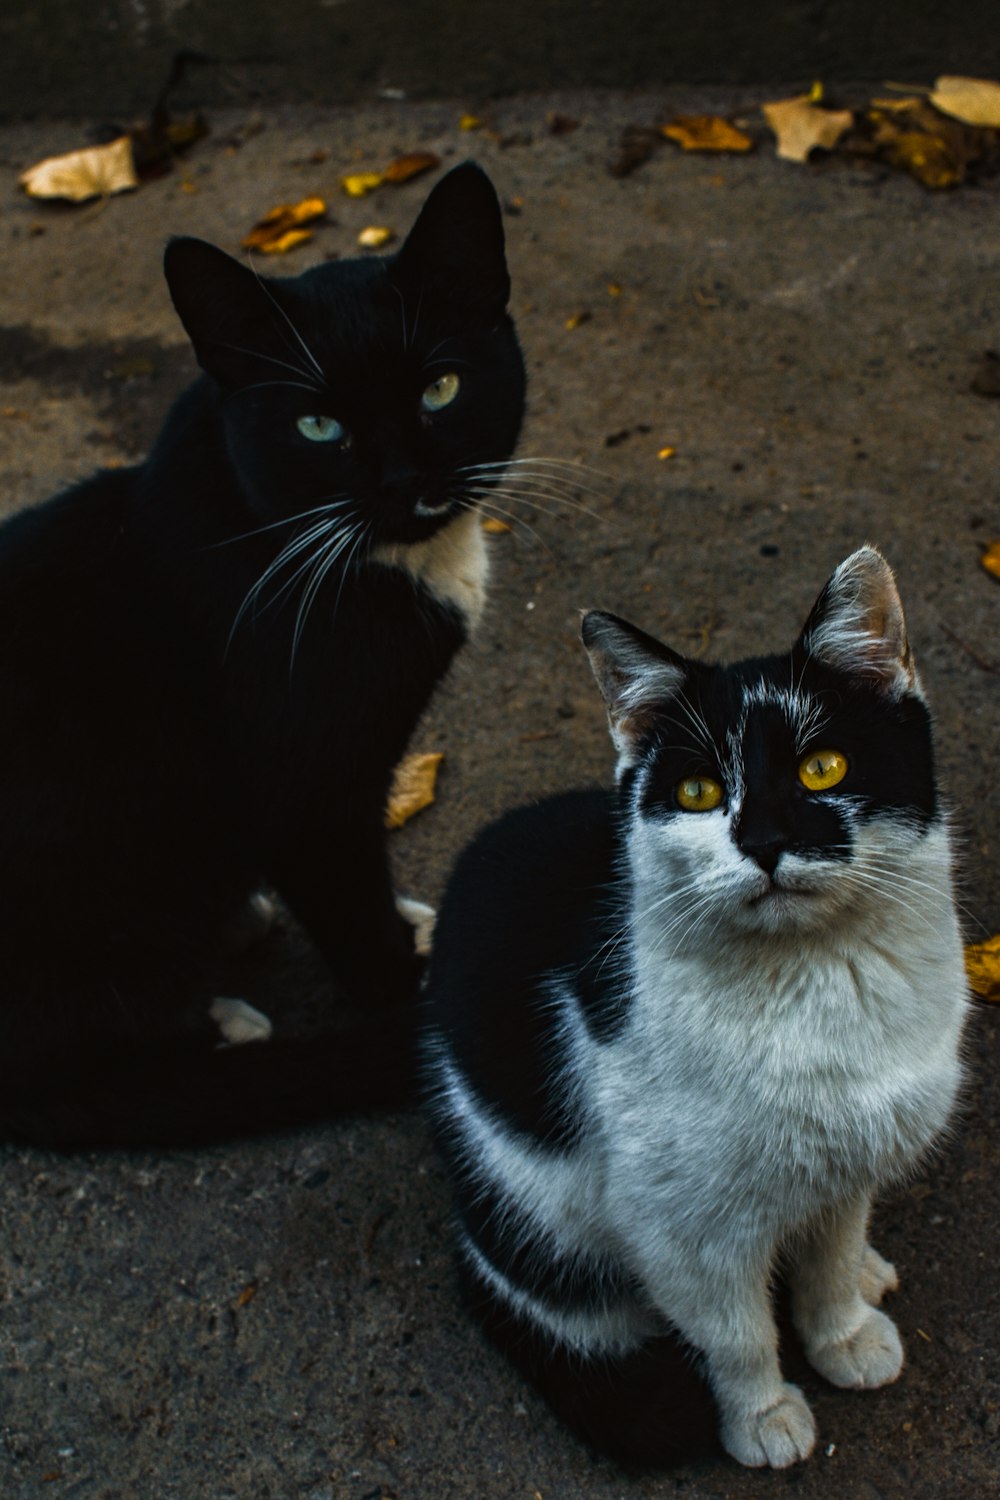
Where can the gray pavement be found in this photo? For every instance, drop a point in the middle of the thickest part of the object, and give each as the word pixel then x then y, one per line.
pixel 278 1318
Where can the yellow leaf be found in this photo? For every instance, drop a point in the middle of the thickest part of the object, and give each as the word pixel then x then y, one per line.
pixel 358 184
pixel 991 559
pixel 412 787
pixel 667 452
pixel 799 126
pixel 982 965
pixel 374 236
pixel 93 173
pixel 577 319
pixel 974 101
pixel 706 133
pixel 495 526
pixel 280 230
pixel 410 165
pixel 470 122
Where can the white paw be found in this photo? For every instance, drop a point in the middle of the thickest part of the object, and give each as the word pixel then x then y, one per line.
pixel 871 1356
pixel 239 1022
pixel 877 1277
pixel 780 1435
pixel 421 918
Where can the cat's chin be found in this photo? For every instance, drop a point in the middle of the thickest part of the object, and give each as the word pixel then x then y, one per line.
pixel 781 907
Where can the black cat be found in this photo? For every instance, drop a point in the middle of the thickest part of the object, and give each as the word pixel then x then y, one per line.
pixel 210 664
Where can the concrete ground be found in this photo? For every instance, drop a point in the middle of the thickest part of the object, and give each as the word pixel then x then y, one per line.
pixel 278 1318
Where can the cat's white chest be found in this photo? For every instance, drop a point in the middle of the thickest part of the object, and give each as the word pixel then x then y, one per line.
pixel 452 565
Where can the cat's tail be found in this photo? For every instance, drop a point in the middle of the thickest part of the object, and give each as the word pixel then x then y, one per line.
pixel 192 1090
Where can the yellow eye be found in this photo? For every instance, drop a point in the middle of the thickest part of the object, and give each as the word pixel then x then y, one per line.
pixel 699 794
pixel 822 769
pixel 440 393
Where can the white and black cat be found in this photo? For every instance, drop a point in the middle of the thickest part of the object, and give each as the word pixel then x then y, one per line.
pixel 210 664
pixel 679 1035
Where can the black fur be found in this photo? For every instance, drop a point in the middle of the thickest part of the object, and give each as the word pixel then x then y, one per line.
pixel 173 739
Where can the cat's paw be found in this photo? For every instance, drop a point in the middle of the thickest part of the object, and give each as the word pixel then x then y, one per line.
pixel 422 919
pixel 878 1276
pixel 776 1437
pixel 871 1356
pixel 239 1022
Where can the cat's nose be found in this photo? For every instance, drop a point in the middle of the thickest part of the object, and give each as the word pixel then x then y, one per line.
pixel 765 853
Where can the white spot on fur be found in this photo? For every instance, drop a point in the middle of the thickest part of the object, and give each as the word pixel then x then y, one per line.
pixel 421 918
pixel 452 565
pixel 239 1022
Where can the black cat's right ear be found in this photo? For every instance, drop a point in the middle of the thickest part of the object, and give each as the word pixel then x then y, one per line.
pixel 636 676
pixel 229 316
pixel 455 250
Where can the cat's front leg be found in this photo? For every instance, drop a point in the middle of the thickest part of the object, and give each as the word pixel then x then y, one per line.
pixel 837 1278
pixel 719 1300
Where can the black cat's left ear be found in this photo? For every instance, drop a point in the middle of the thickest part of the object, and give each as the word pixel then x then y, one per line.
pixel 455 250
pixel 857 626
pixel 636 675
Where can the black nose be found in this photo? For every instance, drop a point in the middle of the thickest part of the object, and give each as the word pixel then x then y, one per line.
pixel 765 854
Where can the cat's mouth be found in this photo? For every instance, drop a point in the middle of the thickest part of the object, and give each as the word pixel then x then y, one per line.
pixel 776 893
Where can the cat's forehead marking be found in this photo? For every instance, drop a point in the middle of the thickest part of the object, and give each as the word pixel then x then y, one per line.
pixel 801 710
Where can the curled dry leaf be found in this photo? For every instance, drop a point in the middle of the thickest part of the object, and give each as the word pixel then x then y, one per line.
pixel 800 125
pixel 374 236
pixel 95 172
pixel 990 559
pixel 982 965
pixel 706 133
pixel 280 230
pixel 974 101
pixel 413 164
pixel 412 787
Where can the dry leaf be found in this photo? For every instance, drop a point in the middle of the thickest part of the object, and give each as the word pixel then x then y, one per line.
pixel 706 133
pixel 991 559
pixel 358 184
pixel 93 173
pixel 412 787
pixel 410 165
pixel 470 122
pixel 280 230
pixel 667 452
pixel 374 236
pixel 982 966
pixel 578 318
pixel 800 125
pixel 974 101
pixel 495 526
pixel 247 1295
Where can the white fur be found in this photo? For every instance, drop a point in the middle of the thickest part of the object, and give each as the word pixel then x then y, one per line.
pixel 453 565
pixel 421 918
pixel 239 1022
pixel 788 1050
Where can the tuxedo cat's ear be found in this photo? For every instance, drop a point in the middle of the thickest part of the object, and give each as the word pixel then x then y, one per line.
pixel 636 675
pixel 233 321
pixel 455 251
pixel 857 626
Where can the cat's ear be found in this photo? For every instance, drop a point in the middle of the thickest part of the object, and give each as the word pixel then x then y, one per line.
pixel 857 626
pixel 454 253
pixel 234 322
pixel 636 675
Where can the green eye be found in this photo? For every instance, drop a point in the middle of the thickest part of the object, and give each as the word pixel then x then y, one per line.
pixel 320 429
pixel 440 393
pixel 822 769
pixel 698 794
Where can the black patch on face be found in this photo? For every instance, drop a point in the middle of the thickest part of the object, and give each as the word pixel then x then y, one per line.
pixel 887 743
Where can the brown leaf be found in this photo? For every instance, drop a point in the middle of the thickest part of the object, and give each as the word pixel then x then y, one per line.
pixel 982 966
pixel 990 559
pixel 637 144
pixel 974 101
pixel 247 1295
pixel 95 172
pixel 412 787
pixel 411 165
pixel 280 230
pixel 800 126
pixel 706 133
